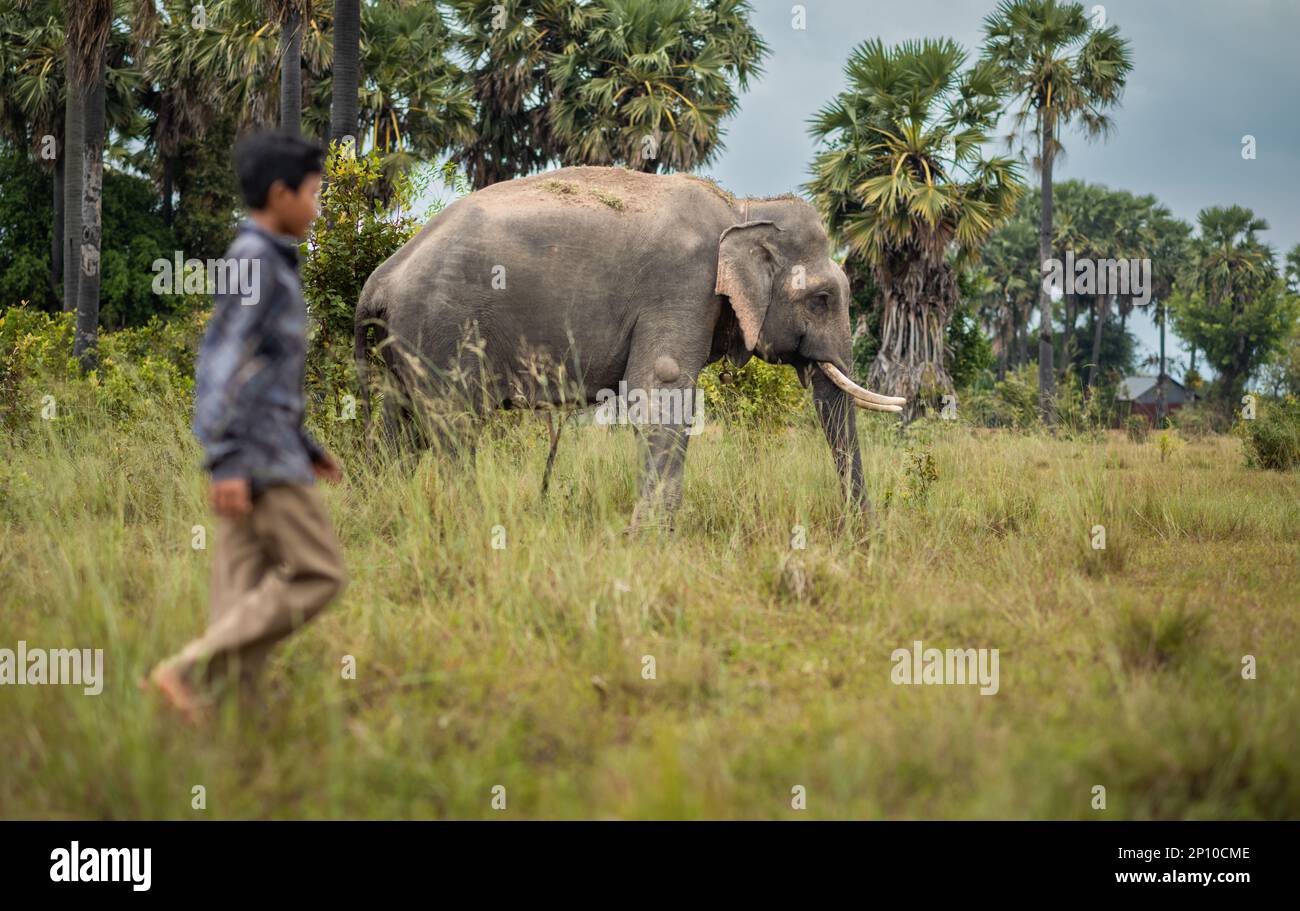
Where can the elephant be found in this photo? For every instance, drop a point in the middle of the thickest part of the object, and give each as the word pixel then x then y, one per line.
pixel 562 286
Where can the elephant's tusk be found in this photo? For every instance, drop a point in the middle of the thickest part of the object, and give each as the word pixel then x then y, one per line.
pixel 872 406
pixel 863 398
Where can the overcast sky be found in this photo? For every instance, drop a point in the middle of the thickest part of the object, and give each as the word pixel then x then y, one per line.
pixel 1206 73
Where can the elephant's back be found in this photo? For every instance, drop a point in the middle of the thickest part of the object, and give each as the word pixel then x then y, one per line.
pixel 577 191
pixel 601 220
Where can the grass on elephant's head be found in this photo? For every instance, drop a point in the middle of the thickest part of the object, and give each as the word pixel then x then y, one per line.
pixel 503 639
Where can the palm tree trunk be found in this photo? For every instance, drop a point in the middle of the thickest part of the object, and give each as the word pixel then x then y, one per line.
pixel 1046 374
pixel 168 174
pixel 1102 304
pixel 57 238
pixel 917 301
pixel 347 69
pixel 1162 407
pixel 74 150
pixel 1006 333
pixel 85 342
pixel 1022 339
pixel 291 73
pixel 1068 343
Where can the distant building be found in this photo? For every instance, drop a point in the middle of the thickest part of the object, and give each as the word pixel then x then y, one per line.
pixel 1140 393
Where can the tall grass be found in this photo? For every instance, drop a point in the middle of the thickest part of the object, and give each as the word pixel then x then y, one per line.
pixel 523 666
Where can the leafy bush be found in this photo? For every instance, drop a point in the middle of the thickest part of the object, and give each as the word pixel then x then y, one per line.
pixel 921 475
pixel 1012 403
pixel 33 342
pixel 1079 416
pixel 138 388
pixel 758 393
pixel 34 346
pixel 140 369
pixel 1137 428
pixel 1272 439
pixel 1196 422
pixel 970 353
pixel 356 232
pixel 1168 442
pixel 174 340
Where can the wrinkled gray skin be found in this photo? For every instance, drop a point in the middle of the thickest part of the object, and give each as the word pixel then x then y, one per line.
pixel 618 275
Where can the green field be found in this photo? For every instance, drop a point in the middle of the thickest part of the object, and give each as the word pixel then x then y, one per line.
pixel 523 666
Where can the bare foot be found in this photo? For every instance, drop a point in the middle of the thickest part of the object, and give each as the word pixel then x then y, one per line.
pixel 177 693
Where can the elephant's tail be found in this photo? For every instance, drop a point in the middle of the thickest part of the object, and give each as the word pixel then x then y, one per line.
pixel 369 316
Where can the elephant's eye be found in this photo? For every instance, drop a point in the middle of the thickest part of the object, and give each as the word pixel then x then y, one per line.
pixel 821 300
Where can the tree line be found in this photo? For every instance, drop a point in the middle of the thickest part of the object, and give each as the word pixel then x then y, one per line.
pixel 930 218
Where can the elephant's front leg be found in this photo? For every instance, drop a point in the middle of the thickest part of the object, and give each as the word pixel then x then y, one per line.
pixel 661 402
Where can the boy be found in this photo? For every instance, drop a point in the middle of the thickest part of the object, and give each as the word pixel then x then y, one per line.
pixel 276 562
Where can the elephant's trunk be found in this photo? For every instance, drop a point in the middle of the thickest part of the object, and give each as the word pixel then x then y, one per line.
pixel 835 410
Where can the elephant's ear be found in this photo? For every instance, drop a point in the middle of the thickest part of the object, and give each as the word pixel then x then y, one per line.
pixel 746 267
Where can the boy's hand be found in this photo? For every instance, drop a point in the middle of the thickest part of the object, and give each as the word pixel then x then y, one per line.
pixel 327 469
pixel 231 498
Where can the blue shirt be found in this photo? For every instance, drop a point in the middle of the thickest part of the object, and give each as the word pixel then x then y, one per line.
pixel 249 401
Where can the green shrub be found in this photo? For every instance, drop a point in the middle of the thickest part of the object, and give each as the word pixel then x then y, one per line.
pixel 1079 416
pixel 131 389
pixel 1272 439
pixel 1196 422
pixel 140 370
pixel 758 393
pixel 1168 442
pixel 173 341
pixel 1137 428
pixel 365 218
pixel 36 343
pixel 1012 403
pixel 921 475
pixel 970 353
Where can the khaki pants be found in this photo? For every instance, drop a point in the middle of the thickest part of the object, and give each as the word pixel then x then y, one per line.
pixel 272 571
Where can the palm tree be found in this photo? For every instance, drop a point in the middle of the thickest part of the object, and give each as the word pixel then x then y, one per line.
pixel 904 184
pixel 1169 257
pixel 33 105
pixel 183 90
pixel 1074 209
pixel 1293 269
pixel 1010 288
pixel 1230 256
pixel 507 73
pixel 414 101
pixel 1061 70
pixel 1228 306
pixel 88 25
pixel 1117 233
pixel 241 54
pixel 347 61
pixel 651 81
pixel 33 108
pixel 1234 267
pixel 290 15
pixel 642 83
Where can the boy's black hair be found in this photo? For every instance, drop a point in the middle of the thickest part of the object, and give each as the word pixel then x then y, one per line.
pixel 263 158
